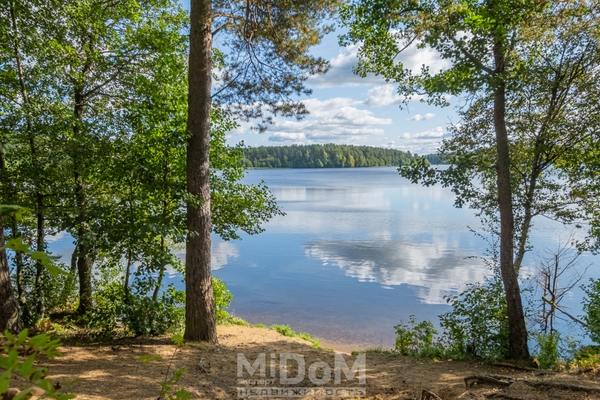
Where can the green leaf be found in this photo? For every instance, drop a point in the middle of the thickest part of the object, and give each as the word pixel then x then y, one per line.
pixel 147 358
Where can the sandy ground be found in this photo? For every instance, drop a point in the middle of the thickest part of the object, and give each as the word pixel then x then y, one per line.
pixel 115 372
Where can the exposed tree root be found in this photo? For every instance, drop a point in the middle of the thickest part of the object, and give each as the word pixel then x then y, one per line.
pixel 562 386
pixel 513 366
pixel 505 381
pixel 427 395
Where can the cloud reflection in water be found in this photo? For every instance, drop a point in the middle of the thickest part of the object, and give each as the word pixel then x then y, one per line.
pixel 434 269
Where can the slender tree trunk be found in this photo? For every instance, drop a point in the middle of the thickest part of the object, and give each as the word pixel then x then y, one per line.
pixel 21 298
pixel 161 273
pixel 127 275
pixel 9 309
pixel 84 269
pixel 84 259
pixel 74 259
pixel 527 216
pixel 517 329
pixel 40 270
pixel 200 322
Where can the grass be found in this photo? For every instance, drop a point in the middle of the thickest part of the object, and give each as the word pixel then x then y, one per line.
pixel 285 330
pixel 376 350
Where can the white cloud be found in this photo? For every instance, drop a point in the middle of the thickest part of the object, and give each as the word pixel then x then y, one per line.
pixel 424 142
pixel 384 95
pixel 413 58
pixel 287 137
pixel 336 120
pixel 419 117
pixel 340 73
pixel 435 133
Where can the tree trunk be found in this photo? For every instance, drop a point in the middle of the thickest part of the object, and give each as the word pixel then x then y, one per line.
pixel 200 322
pixel 9 309
pixel 40 270
pixel 20 265
pixel 517 329
pixel 161 272
pixel 84 270
pixel 127 275
pixel 84 259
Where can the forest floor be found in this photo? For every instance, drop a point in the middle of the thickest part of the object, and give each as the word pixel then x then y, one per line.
pixel 116 372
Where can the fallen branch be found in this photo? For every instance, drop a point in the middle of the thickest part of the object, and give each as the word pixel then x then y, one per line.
pixel 427 395
pixel 499 380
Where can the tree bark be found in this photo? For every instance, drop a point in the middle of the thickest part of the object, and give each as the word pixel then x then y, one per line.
pixel 517 329
pixel 9 309
pixel 21 298
pixel 200 322
pixel 161 272
pixel 40 269
pixel 84 259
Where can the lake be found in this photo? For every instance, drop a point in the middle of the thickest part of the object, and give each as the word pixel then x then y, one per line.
pixel 358 251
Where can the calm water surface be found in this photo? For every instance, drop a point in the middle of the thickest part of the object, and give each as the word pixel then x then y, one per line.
pixel 358 251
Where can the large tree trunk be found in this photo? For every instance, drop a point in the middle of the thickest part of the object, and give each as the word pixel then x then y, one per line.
pixel 200 322
pixel 517 329
pixel 40 269
pixel 9 309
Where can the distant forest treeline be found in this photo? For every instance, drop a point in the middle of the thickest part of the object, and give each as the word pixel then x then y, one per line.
pixel 326 156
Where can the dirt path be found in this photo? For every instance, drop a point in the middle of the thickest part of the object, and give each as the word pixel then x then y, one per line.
pixel 114 372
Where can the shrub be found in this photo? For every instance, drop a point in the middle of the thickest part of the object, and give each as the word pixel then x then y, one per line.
pixel 222 298
pixel 477 324
pixel 547 349
pixel 417 339
pixel 591 308
pixel 144 316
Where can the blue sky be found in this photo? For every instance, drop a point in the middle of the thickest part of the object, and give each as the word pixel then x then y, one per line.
pixel 347 109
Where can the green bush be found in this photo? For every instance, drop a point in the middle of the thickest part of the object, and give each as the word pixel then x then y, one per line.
pixel 417 339
pixel 144 316
pixel 477 325
pixel 140 314
pixel 222 298
pixel 547 353
pixel 591 308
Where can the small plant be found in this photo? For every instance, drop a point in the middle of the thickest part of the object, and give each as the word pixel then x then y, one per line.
pixel 285 330
pixel 14 349
pixel 167 390
pixel 548 352
pixel 417 339
pixel 587 359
